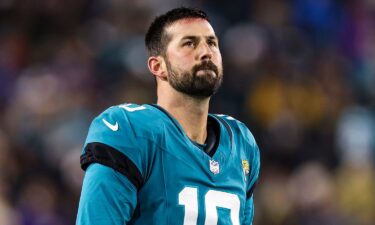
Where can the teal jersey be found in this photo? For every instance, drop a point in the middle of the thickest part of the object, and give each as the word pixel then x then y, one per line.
pixel 141 168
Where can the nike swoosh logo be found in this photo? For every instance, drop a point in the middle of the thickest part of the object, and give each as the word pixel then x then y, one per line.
pixel 113 127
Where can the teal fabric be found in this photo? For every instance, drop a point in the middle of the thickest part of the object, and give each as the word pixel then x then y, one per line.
pixel 182 184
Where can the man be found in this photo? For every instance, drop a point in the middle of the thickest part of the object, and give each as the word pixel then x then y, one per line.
pixel 173 162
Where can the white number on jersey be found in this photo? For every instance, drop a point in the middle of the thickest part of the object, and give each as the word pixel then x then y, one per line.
pixel 213 199
pixel 131 109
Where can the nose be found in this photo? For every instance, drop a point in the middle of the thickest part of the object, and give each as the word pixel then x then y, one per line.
pixel 204 52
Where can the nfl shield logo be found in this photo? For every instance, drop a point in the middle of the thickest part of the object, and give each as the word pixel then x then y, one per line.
pixel 214 167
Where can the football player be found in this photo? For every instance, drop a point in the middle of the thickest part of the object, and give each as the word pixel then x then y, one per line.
pixel 171 163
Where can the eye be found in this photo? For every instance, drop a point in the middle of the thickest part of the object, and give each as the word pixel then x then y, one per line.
pixel 189 44
pixel 212 43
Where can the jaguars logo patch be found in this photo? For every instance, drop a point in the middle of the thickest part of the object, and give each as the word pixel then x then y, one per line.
pixel 245 167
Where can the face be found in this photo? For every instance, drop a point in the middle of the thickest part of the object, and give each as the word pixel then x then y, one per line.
pixel 193 58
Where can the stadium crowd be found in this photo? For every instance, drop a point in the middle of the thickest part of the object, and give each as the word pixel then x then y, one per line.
pixel 299 73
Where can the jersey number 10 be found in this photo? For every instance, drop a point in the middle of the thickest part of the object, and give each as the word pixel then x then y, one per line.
pixel 189 198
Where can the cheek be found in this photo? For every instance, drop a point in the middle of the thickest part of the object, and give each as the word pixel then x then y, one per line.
pixel 218 60
pixel 180 61
pixel 216 54
pixel 176 67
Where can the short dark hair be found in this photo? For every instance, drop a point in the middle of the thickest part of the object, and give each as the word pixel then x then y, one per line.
pixel 156 37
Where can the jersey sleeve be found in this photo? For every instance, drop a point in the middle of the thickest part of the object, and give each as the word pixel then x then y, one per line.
pixel 107 197
pixel 254 167
pixel 111 141
pixel 115 160
pixel 254 154
pixel 249 211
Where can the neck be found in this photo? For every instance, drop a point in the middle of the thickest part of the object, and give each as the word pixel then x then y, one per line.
pixel 191 113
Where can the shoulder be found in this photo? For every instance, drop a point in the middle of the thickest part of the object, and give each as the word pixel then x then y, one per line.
pixel 129 112
pixel 122 137
pixel 245 142
pixel 238 128
pixel 125 124
pixel 127 116
pixel 243 138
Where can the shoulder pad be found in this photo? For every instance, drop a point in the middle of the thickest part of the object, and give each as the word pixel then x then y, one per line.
pixel 245 138
pixel 238 128
pixel 120 133
pixel 122 124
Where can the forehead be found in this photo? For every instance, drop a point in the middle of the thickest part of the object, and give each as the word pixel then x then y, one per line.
pixel 190 27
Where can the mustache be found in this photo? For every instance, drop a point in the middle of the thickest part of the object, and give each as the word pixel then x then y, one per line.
pixel 206 65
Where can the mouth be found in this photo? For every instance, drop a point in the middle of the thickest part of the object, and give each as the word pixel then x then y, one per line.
pixel 203 72
pixel 206 68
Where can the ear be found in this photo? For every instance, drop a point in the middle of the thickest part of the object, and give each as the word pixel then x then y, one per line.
pixel 157 67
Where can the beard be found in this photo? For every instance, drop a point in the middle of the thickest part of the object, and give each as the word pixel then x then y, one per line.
pixel 190 83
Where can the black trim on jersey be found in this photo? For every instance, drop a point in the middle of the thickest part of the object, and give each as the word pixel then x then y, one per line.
pixel 96 152
pixel 213 136
pixel 226 125
pixel 250 192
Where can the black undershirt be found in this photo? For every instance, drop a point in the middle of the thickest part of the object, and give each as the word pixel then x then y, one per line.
pixel 213 136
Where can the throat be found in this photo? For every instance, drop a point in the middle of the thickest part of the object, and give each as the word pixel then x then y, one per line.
pixel 211 143
pixel 199 138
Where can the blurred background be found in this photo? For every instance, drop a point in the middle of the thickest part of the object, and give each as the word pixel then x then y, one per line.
pixel 299 73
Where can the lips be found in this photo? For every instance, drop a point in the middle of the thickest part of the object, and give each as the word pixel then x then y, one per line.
pixel 206 71
pixel 206 66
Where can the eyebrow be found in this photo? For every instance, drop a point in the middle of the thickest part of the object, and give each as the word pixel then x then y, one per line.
pixel 212 37
pixel 192 37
